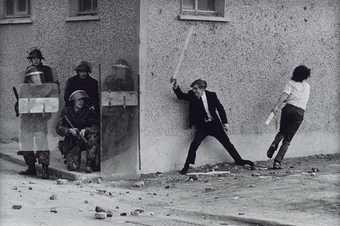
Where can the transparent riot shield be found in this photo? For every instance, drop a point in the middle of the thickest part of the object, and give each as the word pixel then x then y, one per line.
pixel 119 126
pixel 37 104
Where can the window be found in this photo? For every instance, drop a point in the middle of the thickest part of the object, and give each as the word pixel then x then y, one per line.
pixel 17 8
pixel 209 10
pixel 87 7
pixel 199 7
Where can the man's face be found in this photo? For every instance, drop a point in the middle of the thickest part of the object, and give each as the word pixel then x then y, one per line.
pixel 82 74
pixel 35 61
pixel 79 103
pixel 197 91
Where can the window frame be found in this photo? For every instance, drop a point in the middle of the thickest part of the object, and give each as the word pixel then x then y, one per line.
pixel 87 12
pixel 16 13
pixel 197 11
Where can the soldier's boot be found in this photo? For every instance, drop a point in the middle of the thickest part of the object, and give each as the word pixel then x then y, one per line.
pixel 30 161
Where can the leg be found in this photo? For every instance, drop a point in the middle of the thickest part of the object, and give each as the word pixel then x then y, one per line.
pixel 222 137
pixel 273 147
pixel 44 159
pixel 199 136
pixel 29 158
pixel 293 122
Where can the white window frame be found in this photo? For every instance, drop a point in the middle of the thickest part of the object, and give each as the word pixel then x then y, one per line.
pixel 197 11
pixel 88 12
pixel 218 15
pixel 16 13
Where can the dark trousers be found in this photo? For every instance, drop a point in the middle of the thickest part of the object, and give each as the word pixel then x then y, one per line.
pixel 216 130
pixel 291 119
pixel 30 157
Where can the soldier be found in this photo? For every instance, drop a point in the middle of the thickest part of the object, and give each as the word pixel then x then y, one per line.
pixel 117 120
pixel 83 81
pixel 36 73
pixel 78 123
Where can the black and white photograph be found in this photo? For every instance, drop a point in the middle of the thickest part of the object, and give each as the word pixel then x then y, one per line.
pixel 169 112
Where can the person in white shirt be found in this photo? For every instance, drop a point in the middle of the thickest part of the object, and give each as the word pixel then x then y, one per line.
pixel 294 98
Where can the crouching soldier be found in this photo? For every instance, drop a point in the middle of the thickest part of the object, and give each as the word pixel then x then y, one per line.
pixel 78 123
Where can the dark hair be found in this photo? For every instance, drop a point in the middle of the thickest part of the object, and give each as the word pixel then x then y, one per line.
pixel 200 83
pixel 301 73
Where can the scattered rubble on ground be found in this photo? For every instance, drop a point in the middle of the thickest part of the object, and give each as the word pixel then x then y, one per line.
pixel 16 207
pixel 61 181
pixel 53 210
pixel 53 197
pixel 138 184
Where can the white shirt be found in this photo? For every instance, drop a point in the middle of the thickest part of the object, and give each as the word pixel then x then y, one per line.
pixel 206 106
pixel 298 93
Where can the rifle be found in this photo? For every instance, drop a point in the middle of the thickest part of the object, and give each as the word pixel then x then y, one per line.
pixel 16 105
pixel 71 125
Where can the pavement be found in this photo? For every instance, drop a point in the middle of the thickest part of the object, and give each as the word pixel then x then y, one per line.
pixel 304 192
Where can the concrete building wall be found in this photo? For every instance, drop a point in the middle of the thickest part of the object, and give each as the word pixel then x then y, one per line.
pixel 247 61
pixel 64 44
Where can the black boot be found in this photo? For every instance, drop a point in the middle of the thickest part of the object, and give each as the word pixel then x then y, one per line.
pixel 30 171
pixel 185 169
pixel 44 172
pixel 243 162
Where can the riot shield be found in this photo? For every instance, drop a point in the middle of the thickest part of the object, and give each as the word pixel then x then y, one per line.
pixel 37 104
pixel 119 130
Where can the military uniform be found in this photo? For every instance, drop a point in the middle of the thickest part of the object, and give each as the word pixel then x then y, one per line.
pixel 85 118
pixel 36 122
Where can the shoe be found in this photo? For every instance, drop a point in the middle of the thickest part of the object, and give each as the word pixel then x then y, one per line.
pixel 29 172
pixel 184 170
pixel 44 172
pixel 277 165
pixel 245 162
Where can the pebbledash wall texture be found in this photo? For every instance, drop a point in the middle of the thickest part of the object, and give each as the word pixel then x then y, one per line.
pixel 246 60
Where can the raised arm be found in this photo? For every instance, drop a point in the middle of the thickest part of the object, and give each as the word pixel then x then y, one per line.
pixel 179 93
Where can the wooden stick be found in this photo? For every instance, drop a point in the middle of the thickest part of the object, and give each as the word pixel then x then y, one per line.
pixel 181 58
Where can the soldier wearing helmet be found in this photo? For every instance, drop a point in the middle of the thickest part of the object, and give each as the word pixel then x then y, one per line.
pixel 79 124
pixel 36 73
pixel 83 81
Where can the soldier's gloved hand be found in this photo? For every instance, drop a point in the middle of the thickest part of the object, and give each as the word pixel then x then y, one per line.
pixel 82 132
pixel 74 131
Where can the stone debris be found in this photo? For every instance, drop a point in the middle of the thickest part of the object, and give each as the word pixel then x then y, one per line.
pixel 315 170
pixel 209 173
pixel 100 215
pixel 209 189
pixel 241 213
pixel 151 213
pixel 192 178
pixel 61 181
pixel 117 207
pixel 30 182
pixel 30 188
pixel 86 202
pixel 138 184
pixel 123 214
pixel 109 213
pixel 101 191
pixel 15 188
pixel 16 207
pixel 136 212
pixel 99 209
pixel 236 197
pixel 78 182
pixel 251 186
pixel 255 174
pixel 53 210
pixel 167 187
pixel 53 197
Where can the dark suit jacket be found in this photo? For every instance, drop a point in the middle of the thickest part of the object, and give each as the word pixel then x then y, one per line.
pixel 196 108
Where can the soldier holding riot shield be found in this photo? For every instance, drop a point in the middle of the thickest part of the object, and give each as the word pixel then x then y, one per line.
pixel 36 103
